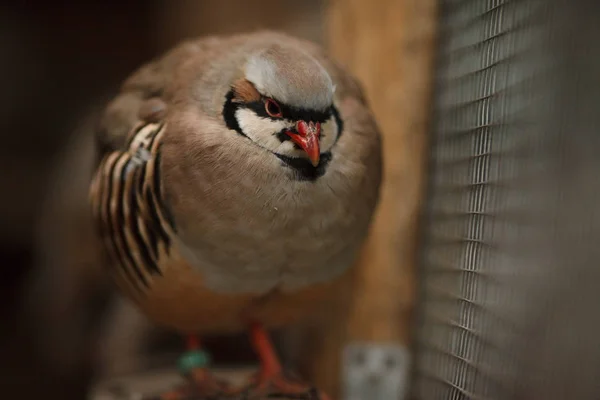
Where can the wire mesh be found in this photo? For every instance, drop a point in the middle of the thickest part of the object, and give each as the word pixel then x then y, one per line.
pixel 511 215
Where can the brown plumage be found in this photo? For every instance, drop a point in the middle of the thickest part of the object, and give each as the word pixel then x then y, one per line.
pixel 236 180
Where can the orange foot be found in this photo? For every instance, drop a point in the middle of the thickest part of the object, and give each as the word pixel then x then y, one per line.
pixel 271 380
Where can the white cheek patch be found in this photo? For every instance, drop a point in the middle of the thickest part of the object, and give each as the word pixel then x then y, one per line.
pixel 329 134
pixel 262 131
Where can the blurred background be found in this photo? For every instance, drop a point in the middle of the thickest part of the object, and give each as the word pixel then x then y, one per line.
pixel 482 260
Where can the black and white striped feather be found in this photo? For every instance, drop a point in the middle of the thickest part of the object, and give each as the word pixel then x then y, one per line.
pixel 129 210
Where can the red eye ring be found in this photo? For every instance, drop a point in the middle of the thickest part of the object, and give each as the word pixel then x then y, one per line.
pixel 272 108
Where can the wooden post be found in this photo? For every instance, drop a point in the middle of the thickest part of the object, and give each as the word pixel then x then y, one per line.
pixel 389 45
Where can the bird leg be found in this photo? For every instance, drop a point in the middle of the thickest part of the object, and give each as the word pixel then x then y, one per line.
pixel 271 378
pixel 194 366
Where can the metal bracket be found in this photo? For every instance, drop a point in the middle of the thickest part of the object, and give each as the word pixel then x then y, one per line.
pixel 375 371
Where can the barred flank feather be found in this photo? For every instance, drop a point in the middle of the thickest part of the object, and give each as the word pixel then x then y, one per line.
pixel 129 211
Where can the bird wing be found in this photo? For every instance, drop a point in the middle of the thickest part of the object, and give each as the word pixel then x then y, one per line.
pixel 128 208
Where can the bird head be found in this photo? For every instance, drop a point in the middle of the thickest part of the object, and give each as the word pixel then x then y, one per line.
pixel 284 103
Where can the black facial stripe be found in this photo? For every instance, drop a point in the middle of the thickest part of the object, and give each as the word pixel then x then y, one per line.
pixel 303 169
pixel 281 135
pixel 338 120
pixel 291 113
pixel 229 110
pixel 299 114
pixel 288 112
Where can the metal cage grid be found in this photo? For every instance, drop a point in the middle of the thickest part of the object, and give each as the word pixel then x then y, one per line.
pixel 484 137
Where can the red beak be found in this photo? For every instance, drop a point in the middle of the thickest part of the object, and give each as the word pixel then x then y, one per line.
pixel 308 139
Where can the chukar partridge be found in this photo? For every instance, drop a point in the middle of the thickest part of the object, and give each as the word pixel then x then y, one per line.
pixel 236 179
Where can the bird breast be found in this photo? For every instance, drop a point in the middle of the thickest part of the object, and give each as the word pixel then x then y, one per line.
pixel 279 244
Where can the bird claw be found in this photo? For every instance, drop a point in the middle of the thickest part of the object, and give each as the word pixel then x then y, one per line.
pixel 283 387
pixel 201 385
pixel 204 386
pixel 204 381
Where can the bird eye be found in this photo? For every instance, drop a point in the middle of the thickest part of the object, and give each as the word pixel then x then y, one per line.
pixel 272 108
